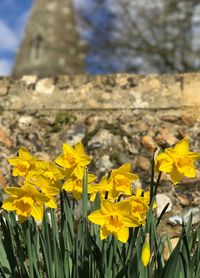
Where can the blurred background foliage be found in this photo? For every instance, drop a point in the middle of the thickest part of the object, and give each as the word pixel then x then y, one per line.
pixel 142 36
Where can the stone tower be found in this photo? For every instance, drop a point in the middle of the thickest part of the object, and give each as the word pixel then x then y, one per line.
pixel 51 44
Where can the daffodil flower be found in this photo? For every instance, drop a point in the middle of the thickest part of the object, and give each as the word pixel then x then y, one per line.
pixel 75 185
pixel 177 161
pixel 26 201
pixel 145 196
pixel 74 159
pixel 48 169
pixel 114 218
pixel 120 181
pixel 102 187
pixel 51 190
pixel 22 163
pixel 139 208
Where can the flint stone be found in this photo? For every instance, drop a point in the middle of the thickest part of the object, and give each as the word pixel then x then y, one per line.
pixel 162 200
pixel 102 139
pixel 185 217
pixel 104 163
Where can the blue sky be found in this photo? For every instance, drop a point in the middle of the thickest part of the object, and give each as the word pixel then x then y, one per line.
pixel 13 16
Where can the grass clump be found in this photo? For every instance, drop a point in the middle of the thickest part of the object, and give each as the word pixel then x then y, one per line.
pixel 62 118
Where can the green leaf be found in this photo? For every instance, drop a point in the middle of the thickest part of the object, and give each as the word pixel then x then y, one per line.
pixel 162 213
pixel 4 262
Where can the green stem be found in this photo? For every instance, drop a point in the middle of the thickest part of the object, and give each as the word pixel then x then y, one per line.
pixel 28 238
pixel 152 180
pixel 157 183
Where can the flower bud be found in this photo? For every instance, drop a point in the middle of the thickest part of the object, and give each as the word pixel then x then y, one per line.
pixel 146 252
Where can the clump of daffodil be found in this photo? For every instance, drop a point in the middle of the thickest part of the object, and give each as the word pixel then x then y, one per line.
pixel 25 201
pixel 116 219
pixel 75 185
pixel 74 159
pixel 146 252
pixel 22 163
pixel 177 161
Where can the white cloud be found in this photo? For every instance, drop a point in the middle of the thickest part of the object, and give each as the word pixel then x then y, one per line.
pixel 5 67
pixel 9 40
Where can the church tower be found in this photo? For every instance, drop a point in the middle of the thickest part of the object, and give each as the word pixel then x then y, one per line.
pixel 51 44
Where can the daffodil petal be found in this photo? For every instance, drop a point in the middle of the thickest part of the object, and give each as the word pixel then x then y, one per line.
pixel 68 185
pixel 104 233
pixel 175 176
pixel 182 146
pixel 130 221
pixel 52 203
pixel 122 234
pixel 37 211
pixel 97 217
pixel 78 171
pixel 67 149
pixel 79 148
pixel 8 203
pixel 190 172
pixel 24 153
pixel 16 191
pixel 122 169
pixel 107 206
pixel 166 166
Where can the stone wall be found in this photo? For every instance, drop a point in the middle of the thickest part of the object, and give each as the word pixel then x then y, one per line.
pixel 119 118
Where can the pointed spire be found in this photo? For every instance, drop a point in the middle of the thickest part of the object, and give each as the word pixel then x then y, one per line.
pixel 51 44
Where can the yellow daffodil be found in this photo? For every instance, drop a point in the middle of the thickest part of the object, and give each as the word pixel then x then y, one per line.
pixel 177 161
pixel 26 201
pixel 48 188
pixel 48 170
pixel 145 196
pixel 120 181
pixel 139 208
pixel 114 218
pixel 22 163
pixel 146 252
pixel 74 185
pixel 100 187
pixel 74 159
